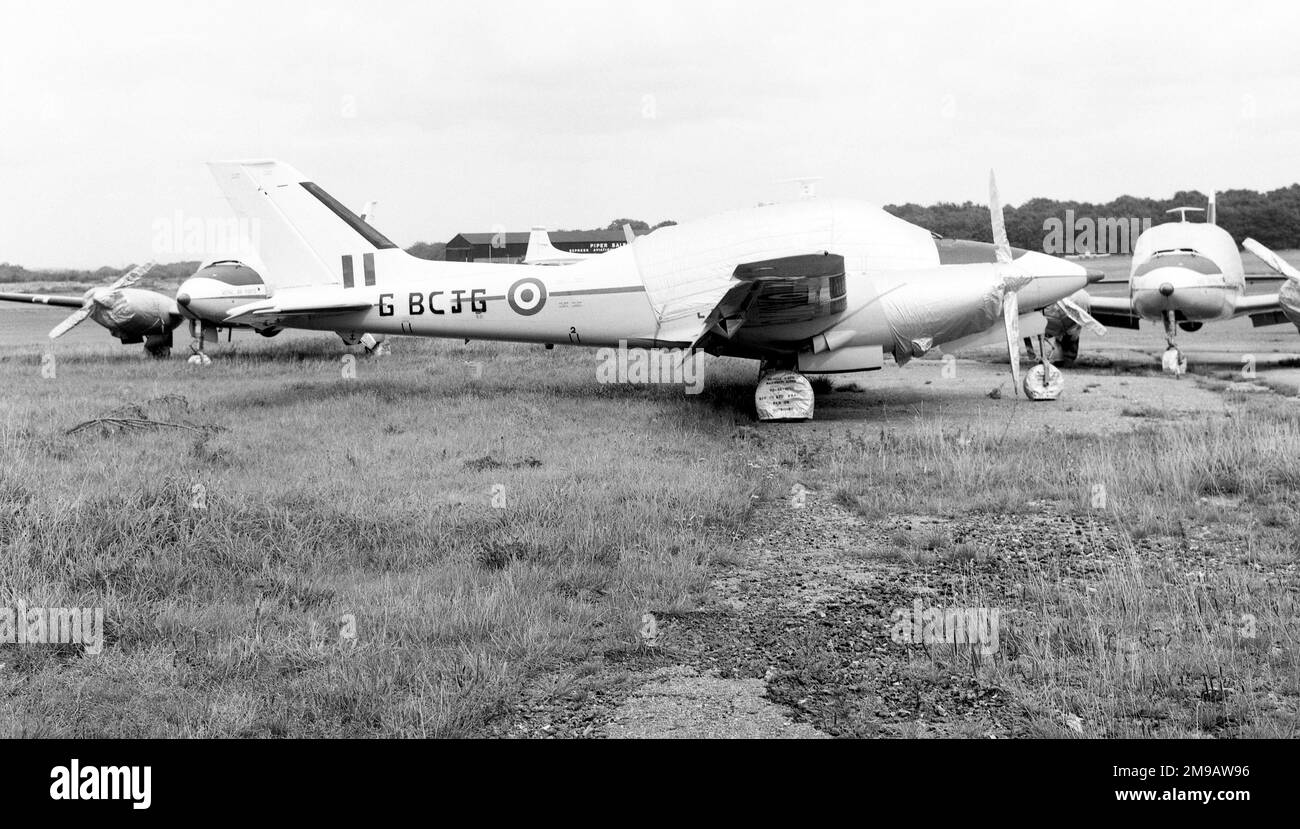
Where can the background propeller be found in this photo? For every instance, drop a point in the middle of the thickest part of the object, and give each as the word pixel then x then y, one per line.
pixel 1271 259
pixel 98 296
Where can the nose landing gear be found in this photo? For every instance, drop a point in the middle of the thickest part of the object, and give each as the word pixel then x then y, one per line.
pixel 1044 381
pixel 199 332
pixel 1172 361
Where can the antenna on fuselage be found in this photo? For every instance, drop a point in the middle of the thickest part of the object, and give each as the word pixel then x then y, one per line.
pixel 1182 211
pixel 807 185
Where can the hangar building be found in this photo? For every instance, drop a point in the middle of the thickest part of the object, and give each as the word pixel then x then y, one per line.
pixel 510 247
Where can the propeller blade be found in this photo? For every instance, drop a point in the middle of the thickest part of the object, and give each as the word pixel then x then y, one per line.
pixel 1271 259
pixel 1075 311
pixel 1011 319
pixel 1003 251
pixel 132 276
pixel 70 323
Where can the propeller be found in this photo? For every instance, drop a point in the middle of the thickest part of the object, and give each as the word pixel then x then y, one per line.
pixel 1076 312
pixel 1271 259
pixel 98 296
pixel 1012 278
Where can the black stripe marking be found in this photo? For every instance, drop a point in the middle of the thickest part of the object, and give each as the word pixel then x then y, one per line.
pixel 347 271
pixel 352 220
pixel 368 262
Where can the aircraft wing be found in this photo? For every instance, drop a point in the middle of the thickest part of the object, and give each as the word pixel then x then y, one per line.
pixel 1113 311
pixel 780 291
pixel 43 299
pixel 1263 309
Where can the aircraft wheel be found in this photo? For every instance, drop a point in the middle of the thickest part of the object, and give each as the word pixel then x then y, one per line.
pixel 1044 382
pixel 783 395
pixel 1173 362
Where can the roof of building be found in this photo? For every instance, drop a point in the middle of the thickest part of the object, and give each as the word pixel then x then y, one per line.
pixel 557 237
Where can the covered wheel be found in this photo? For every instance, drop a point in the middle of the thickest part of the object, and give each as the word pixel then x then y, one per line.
pixel 1044 382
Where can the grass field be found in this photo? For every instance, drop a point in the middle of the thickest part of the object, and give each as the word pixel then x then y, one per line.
pixel 294 542
pixel 385 555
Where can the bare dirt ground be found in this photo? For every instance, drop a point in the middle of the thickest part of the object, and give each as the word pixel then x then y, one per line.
pixel 795 637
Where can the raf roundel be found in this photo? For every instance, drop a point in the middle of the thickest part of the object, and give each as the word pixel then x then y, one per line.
pixel 527 296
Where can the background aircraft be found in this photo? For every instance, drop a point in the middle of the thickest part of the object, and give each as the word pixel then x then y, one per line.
pixel 1185 274
pixel 811 287
pixel 135 315
pixel 204 300
pixel 130 314
pixel 541 252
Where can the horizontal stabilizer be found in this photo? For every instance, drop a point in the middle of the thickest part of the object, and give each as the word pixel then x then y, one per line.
pixel 316 305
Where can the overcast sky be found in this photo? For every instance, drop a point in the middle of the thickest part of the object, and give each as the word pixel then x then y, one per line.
pixel 465 117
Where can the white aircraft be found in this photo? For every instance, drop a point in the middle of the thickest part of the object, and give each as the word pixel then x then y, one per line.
pixel 1183 275
pixel 135 315
pixel 132 315
pixel 540 251
pixel 814 286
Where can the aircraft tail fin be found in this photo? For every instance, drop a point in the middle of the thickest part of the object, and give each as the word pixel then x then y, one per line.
pixel 1211 212
pixel 303 235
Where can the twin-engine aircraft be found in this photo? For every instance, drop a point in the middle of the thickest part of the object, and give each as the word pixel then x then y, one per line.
pixel 132 315
pixel 135 315
pixel 813 286
pixel 1185 274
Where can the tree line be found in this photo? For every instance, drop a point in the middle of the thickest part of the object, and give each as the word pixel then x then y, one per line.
pixel 1272 218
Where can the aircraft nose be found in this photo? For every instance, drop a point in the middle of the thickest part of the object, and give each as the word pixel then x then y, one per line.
pixel 1095 275
pixel 183 299
pixel 1166 289
pixel 1053 278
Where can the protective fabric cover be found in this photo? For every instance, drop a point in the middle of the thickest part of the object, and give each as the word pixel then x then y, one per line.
pixel 1288 296
pixel 1173 362
pixel 1044 382
pixel 944 308
pixel 783 395
pixel 687 269
pixel 115 309
pixel 1075 309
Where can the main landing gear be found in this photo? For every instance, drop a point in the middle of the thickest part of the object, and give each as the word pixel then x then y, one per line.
pixel 782 392
pixel 199 333
pixel 1044 381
